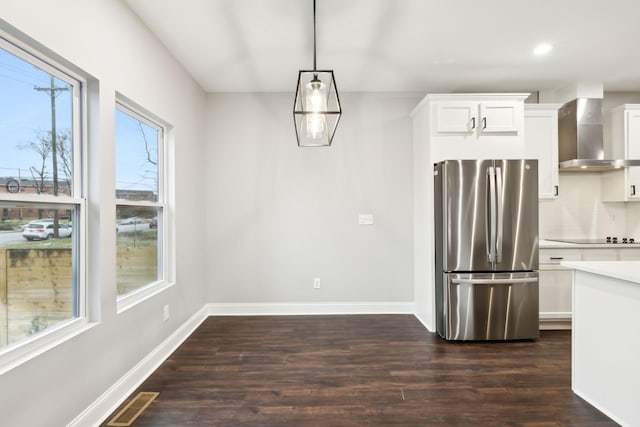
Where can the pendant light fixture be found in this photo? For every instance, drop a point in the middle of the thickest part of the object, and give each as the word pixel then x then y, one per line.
pixel 316 109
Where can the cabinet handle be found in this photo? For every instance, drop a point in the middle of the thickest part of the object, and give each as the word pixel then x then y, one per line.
pixel 555 190
pixel 484 123
pixel 633 190
pixel 556 257
pixel 473 123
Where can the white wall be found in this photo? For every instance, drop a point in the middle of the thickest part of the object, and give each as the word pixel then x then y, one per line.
pixel 423 220
pixel 105 40
pixel 279 215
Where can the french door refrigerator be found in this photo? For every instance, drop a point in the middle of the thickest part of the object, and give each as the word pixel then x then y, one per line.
pixel 486 249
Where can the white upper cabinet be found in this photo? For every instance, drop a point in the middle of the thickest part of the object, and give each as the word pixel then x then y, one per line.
pixel 623 185
pixel 633 152
pixel 478 117
pixel 541 142
pixel 474 126
pixel 500 116
pixel 455 117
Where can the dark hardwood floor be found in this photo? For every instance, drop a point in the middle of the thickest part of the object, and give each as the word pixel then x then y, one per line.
pixel 373 370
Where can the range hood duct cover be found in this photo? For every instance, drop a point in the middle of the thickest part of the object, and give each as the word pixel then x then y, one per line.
pixel 580 138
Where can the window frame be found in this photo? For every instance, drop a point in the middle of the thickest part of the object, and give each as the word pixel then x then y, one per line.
pixel 165 259
pixel 18 353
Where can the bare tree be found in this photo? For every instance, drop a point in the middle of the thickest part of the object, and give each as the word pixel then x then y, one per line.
pixel 146 146
pixel 42 147
pixel 149 174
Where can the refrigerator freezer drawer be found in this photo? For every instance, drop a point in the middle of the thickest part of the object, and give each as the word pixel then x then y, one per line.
pixel 486 306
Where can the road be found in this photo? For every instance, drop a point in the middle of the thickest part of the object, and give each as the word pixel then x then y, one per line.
pixel 11 237
pixel 8 238
pixel 132 227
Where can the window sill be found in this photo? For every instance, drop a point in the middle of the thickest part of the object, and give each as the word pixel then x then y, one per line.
pixel 15 355
pixel 127 301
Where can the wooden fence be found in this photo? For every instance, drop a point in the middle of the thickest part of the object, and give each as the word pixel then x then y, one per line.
pixel 35 289
pixel 136 267
pixel 36 286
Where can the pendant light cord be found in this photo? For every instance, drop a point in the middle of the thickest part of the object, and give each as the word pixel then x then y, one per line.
pixel 314 36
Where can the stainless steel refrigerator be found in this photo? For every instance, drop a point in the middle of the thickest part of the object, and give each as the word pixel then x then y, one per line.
pixel 486 249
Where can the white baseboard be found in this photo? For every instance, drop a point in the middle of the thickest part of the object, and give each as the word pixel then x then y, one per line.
pixel 555 321
pixel 424 323
pixel 555 325
pixel 598 406
pixel 282 309
pixel 99 410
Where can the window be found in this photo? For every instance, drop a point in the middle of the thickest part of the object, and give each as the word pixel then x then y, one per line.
pixel 41 196
pixel 140 200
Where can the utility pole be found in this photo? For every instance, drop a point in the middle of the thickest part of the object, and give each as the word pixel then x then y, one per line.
pixel 53 93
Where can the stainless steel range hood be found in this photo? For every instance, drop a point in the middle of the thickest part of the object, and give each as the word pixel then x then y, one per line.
pixel 580 138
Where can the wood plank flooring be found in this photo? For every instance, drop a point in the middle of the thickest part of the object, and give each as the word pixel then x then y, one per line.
pixel 370 370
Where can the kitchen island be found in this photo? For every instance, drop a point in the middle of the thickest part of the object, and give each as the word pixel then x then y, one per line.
pixel 606 337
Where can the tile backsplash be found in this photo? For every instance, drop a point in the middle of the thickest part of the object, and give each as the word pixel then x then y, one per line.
pixel 578 211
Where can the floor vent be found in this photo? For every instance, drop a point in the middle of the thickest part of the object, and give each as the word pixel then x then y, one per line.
pixel 129 413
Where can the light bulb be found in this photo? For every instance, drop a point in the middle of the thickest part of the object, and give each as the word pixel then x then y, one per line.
pixel 316 102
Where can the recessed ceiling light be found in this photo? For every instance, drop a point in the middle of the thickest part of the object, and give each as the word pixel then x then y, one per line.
pixel 542 49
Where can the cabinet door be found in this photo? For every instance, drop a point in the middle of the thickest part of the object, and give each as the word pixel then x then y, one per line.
pixel 498 116
pixel 633 152
pixel 456 117
pixel 541 142
pixel 629 254
pixel 555 293
pixel 555 256
pixel 599 254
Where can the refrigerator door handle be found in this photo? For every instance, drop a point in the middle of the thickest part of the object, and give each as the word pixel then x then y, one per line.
pixel 500 211
pixel 487 216
pixel 494 281
pixel 491 217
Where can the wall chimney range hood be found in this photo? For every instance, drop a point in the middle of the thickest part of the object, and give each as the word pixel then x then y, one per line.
pixel 580 138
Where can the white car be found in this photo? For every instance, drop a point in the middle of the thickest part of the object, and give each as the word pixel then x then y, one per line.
pixel 44 230
pixel 133 220
pixel 42 220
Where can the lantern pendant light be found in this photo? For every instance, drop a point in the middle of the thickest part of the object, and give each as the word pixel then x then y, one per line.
pixel 316 109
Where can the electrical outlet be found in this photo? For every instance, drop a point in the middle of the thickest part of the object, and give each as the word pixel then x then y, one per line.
pixel 165 313
pixel 365 219
pixel 316 283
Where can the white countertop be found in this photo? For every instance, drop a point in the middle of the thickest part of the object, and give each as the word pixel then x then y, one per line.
pixel 550 244
pixel 553 244
pixel 622 270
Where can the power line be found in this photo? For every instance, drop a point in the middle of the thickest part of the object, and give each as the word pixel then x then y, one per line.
pixel 53 93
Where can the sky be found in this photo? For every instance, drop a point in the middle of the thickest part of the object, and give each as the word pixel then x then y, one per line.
pixel 25 116
pixel 25 113
pixel 135 168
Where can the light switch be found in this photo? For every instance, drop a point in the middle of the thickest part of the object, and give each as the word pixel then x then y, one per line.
pixel 365 219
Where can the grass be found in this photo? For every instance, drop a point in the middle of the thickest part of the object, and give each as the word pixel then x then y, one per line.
pixel 62 243
pixel 137 239
pixel 10 224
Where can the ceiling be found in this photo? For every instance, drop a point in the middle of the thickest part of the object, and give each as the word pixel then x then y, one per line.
pixel 401 45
